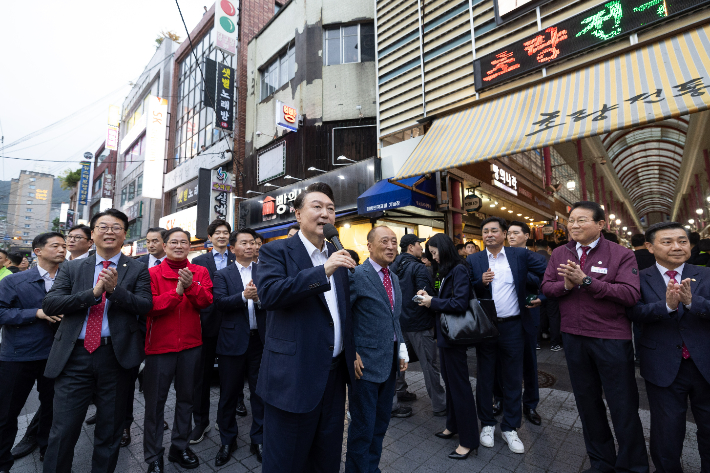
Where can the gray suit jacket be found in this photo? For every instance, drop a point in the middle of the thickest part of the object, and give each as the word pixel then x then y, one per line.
pixel 72 296
pixel 374 322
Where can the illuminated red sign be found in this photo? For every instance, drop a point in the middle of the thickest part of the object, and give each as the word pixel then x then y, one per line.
pixel 609 21
pixel 290 114
pixel 268 207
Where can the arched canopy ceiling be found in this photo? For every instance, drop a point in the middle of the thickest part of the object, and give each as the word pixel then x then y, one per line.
pixel 647 161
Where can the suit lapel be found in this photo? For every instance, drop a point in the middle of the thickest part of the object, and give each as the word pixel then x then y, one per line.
pixel 689 271
pixel 397 300
pixel 376 281
pixel 512 257
pixel 655 280
pixel 212 266
pixel 302 259
pixel 122 267
pixel 87 272
pixel 231 259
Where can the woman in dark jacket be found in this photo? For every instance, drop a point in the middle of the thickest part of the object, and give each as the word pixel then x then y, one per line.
pixel 453 298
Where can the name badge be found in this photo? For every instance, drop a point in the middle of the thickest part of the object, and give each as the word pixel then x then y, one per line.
pixel 595 269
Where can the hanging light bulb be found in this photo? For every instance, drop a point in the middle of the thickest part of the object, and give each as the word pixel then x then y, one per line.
pixel 571 185
pixel 618 221
pixel 691 221
pixel 612 216
pixel 699 211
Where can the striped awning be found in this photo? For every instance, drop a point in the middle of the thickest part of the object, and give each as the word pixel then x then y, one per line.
pixel 662 80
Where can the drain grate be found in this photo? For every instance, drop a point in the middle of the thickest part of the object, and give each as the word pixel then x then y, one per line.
pixel 545 379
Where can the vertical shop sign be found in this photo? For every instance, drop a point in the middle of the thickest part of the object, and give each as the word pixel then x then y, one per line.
pixel 221 195
pixel 84 182
pixel 155 148
pixel 114 118
pixel 225 97
pixel 226 25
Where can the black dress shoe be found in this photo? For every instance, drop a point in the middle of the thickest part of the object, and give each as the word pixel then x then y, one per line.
pixel 402 412
pixel 497 408
pixel 156 466
pixel 444 436
pixel 532 416
pixel 258 450
pixel 407 396
pixel 126 438
pixel 462 456
pixel 27 445
pixel 185 458
pixel 91 420
pixel 41 456
pixel 225 453
pixel 241 409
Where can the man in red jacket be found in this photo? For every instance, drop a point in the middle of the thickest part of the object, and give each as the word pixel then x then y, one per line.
pixel 594 281
pixel 173 344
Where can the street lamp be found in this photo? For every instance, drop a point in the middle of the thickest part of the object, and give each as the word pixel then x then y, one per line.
pixel 268 184
pixel 699 211
pixel 618 221
pixel 612 216
pixel 315 169
pixel 343 158
pixel 571 185
pixel 691 221
pixel 291 177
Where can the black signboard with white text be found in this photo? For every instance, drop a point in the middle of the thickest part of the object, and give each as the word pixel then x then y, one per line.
pixel 224 109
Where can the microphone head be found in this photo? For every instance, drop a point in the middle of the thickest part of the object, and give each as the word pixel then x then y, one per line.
pixel 329 231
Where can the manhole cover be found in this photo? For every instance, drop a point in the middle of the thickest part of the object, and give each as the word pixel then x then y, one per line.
pixel 545 380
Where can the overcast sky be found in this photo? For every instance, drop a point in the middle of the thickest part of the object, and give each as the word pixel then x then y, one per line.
pixel 59 57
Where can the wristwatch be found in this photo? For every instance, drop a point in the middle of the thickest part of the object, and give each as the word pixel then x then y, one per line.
pixel 587 281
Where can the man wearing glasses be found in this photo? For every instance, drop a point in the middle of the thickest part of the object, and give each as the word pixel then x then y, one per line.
pixel 173 347
pixel 104 299
pixel 79 242
pixel 595 281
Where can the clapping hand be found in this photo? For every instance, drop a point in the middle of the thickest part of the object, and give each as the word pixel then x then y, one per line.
pixel 572 273
pixel 673 295
pixel 107 280
pixel 184 280
pixel 250 291
pixel 685 296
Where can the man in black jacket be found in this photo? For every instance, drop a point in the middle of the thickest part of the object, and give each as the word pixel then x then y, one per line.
pixel 417 322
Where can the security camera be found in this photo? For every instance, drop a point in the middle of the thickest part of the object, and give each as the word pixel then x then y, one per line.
pixel 258 133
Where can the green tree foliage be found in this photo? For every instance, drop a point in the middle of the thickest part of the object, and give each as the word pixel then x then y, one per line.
pixel 69 179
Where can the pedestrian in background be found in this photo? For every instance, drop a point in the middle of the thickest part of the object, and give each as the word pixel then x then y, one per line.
pixel 453 298
pixel 79 242
pixel 595 282
pixel 417 321
pixel 156 249
pixel 172 346
pixel 292 230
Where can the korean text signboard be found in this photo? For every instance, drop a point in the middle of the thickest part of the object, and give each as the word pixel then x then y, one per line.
pixel 226 25
pixel 286 116
pixel 225 97
pixel 187 194
pixel 220 195
pixel 84 183
pixel 606 22
pixel 504 179
pixel 155 148
pixel 114 120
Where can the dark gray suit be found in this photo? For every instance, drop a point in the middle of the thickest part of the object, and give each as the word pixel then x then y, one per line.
pixel 375 328
pixel 103 375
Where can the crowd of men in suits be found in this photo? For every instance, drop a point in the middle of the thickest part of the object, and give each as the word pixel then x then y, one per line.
pixel 306 327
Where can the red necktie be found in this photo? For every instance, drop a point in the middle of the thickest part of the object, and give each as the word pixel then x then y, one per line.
pixel 583 259
pixel 672 275
pixel 388 285
pixel 92 337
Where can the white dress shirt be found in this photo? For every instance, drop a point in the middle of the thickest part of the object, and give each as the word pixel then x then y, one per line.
pixel 152 259
pixel 48 280
pixel 591 246
pixel 667 279
pixel 503 285
pixel 245 273
pixel 318 258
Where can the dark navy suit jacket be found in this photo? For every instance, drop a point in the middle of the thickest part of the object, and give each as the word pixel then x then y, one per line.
pixel 145 259
pixel 211 317
pixel 522 261
pixel 299 343
pixel 453 297
pixel 25 337
pixel 227 288
pixel 375 323
pixel 664 333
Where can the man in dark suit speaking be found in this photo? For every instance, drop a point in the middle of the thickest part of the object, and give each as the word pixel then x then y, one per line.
pixel 308 353
pixel 104 299
pixel 675 345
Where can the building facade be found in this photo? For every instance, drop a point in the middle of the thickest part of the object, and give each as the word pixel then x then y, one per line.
pixel 30 205
pixel 103 183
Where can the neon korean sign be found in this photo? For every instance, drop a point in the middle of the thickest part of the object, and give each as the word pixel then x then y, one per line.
pixel 290 114
pixel 592 28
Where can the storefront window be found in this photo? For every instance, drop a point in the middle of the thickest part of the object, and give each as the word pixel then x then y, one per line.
pixel 354 237
pixel 348 44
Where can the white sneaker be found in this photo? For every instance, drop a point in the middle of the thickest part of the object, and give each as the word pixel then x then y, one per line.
pixel 487 436
pixel 514 443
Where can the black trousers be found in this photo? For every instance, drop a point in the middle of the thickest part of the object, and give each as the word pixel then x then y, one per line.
pixel 310 442
pixel 460 404
pixel 17 378
pixel 130 397
pixel 508 348
pixel 88 377
pixel 531 391
pixel 551 311
pixel 201 396
pixel 158 375
pixel 599 365
pixel 232 370
pixel 668 410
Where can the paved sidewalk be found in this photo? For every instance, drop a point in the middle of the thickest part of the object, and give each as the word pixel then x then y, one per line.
pixel 556 446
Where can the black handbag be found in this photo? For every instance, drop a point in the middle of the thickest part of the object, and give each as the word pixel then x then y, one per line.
pixel 474 326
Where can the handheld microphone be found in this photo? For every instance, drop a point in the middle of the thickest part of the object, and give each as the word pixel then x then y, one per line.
pixel 331 234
